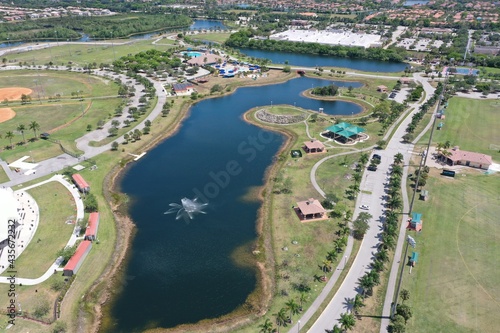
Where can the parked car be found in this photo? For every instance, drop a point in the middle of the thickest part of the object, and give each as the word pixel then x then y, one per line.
pixel 372 168
pixel 376 157
pixel 365 207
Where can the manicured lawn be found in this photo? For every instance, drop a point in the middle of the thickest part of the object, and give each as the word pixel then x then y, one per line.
pixel 471 124
pixel 56 206
pixel 219 37
pixel 454 287
pixel 82 54
pixel 47 84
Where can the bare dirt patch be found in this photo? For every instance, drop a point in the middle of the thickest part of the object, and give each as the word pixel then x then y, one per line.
pixel 13 93
pixel 6 114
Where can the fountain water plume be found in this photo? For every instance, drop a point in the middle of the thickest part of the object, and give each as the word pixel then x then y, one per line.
pixel 187 208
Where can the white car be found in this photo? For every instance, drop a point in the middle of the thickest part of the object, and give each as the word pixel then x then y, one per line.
pixel 365 207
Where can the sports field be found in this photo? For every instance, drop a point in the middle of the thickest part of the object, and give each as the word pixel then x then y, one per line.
pixel 87 53
pixel 455 285
pixel 471 124
pixel 53 107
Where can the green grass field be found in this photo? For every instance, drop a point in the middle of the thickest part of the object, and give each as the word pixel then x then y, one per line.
pixel 471 124
pixel 63 119
pixel 454 287
pixel 82 54
pixel 56 207
pixel 218 37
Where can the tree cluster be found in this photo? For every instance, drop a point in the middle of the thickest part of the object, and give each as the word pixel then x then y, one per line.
pixel 329 90
pixel 242 39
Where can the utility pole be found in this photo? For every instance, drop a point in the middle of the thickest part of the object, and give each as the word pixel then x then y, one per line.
pixel 409 241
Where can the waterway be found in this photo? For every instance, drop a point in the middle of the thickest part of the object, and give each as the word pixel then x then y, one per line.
pixel 311 60
pixel 183 271
pixel 197 25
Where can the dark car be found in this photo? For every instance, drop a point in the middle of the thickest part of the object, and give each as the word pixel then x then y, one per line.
pixel 376 157
pixel 372 168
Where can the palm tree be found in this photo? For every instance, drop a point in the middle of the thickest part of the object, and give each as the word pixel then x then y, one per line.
pixel 375 277
pixel 338 244
pixel 391 230
pixel 377 265
pixel 447 144
pixel 347 321
pixel 391 217
pixel 266 327
pixel 395 182
pixel 302 299
pixel 439 146
pixel 332 255
pixel 347 215
pixel 293 308
pixel 335 329
pixel 367 284
pixel 281 318
pixel 9 135
pixel 34 126
pixel 404 294
pixel 326 266
pixel 21 128
pixel 398 158
pixel 393 191
pixel 382 255
pixel 395 203
pixel 357 303
pixel 397 170
pixel 363 159
pixel 387 241
pixel 356 177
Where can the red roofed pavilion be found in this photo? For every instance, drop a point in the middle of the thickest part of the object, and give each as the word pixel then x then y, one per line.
pixel 77 259
pixel 80 183
pixel 91 231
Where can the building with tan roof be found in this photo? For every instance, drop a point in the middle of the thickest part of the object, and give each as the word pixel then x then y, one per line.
pixel 313 146
pixel 310 209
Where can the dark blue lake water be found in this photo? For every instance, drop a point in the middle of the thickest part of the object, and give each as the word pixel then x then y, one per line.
pixel 311 60
pixel 183 272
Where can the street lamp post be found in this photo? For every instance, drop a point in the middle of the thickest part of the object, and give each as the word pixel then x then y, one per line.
pixel 298 326
pixel 57 40
pixel 113 46
pixel 409 241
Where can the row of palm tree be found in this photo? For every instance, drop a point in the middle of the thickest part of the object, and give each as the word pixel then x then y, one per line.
pixel 34 126
pixel 418 116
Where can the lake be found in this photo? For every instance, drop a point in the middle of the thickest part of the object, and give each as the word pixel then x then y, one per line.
pixel 312 60
pixel 182 271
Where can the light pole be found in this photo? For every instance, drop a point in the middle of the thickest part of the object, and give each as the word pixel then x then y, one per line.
pixel 113 46
pixel 69 46
pixel 298 326
pixel 345 261
pixel 57 40
pixel 409 241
